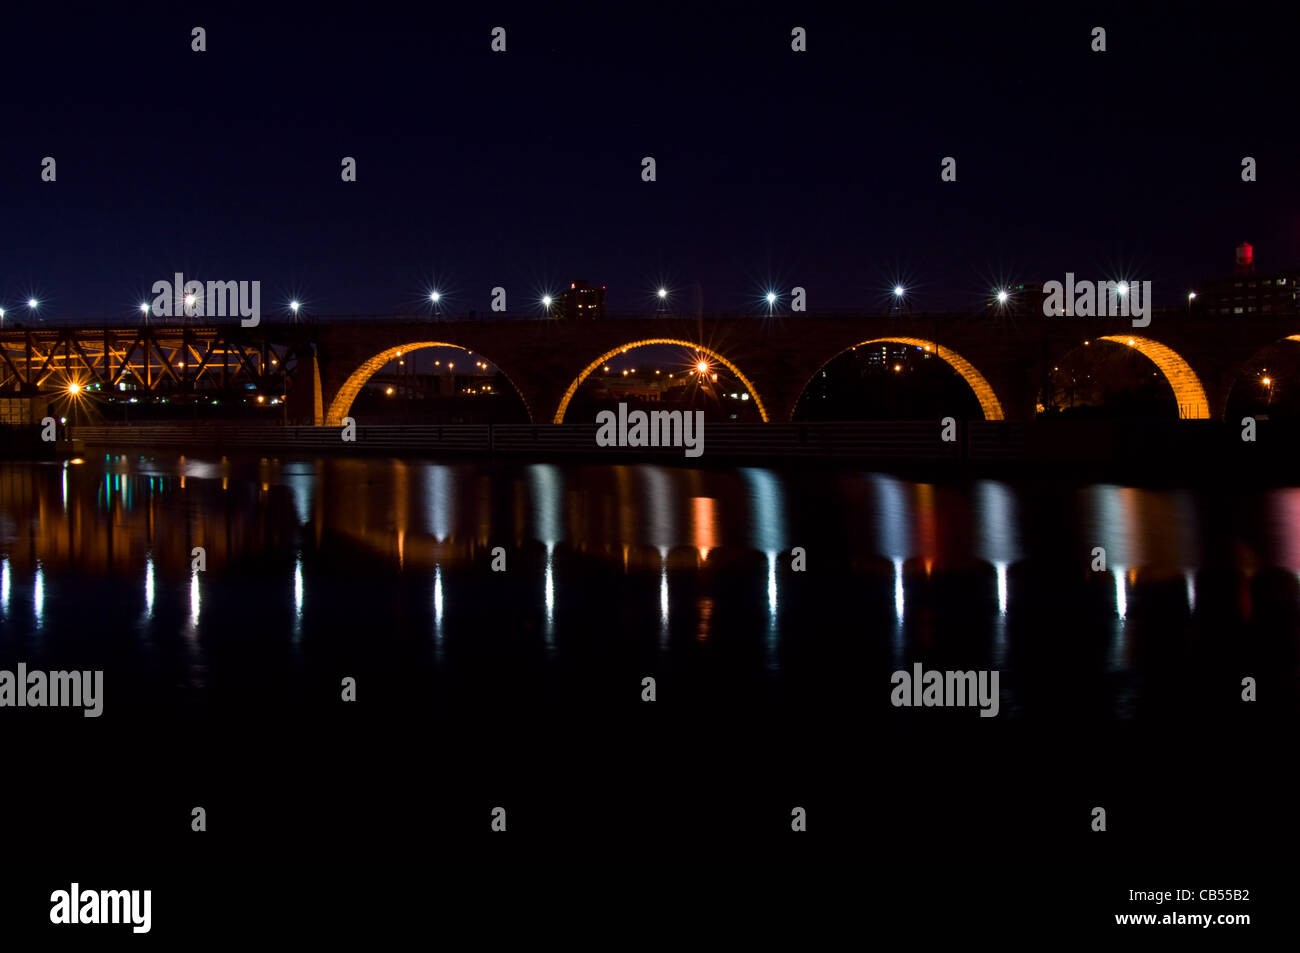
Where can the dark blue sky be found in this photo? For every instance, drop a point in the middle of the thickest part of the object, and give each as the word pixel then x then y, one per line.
pixel 522 169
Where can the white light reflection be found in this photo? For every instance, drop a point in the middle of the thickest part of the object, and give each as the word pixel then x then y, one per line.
pixel 300 479
pixel 894 539
pixel 998 531
pixel 194 599
pixel 1119 640
pixel 437 611
pixel 544 488
pixel 658 496
pixel 663 598
pixel 297 593
pixel 894 536
pixel 768 534
pixel 65 485
pixel 771 584
pixel 663 586
pixel 545 492
pixel 4 585
pixel 1115 526
pixel 38 595
pixel 1001 569
pixel 439 496
pixel 898 588
pixel 1190 576
pixel 550 596
pixel 148 585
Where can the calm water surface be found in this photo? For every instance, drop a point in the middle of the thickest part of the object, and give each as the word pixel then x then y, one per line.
pixel 382 570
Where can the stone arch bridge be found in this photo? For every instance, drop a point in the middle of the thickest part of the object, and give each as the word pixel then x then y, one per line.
pixel 1004 358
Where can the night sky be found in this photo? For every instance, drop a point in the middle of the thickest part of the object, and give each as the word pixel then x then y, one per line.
pixel 523 169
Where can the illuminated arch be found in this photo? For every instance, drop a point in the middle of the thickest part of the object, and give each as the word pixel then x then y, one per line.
pixel 586 371
pixel 1192 403
pixel 1239 373
pixel 989 402
pixel 342 401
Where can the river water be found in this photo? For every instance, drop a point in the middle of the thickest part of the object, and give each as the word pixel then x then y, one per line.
pixel 499 621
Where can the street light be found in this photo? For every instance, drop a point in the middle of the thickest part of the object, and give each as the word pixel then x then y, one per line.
pixel 144 308
pixel 434 298
pixel 546 303
pixel 771 300
pixel 294 306
pixel 1003 296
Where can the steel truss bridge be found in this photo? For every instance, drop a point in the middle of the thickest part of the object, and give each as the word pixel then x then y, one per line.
pixel 148 359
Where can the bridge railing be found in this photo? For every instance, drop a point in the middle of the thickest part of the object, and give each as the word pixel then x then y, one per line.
pixel 881 440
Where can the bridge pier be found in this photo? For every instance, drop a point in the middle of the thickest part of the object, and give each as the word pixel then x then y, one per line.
pixel 305 403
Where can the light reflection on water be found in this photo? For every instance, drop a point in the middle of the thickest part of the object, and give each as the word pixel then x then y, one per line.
pixel 890 543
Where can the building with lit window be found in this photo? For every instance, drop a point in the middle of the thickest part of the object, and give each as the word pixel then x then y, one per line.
pixel 1246 292
pixel 581 300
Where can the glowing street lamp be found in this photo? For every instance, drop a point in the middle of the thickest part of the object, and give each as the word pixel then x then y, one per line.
pixel 900 298
pixel 74 388
pixel 771 301
pixel 294 306
pixel 434 298
pixel 1003 296
pixel 546 303
pixel 144 309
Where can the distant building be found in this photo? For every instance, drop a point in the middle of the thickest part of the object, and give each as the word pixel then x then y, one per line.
pixel 1246 292
pixel 581 300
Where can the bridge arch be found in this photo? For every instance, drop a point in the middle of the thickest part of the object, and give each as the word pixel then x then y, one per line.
pixel 681 342
pixel 988 400
pixel 347 393
pixel 1187 387
pixel 1280 351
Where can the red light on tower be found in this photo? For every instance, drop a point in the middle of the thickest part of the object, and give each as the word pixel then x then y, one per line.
pixel 1245 258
